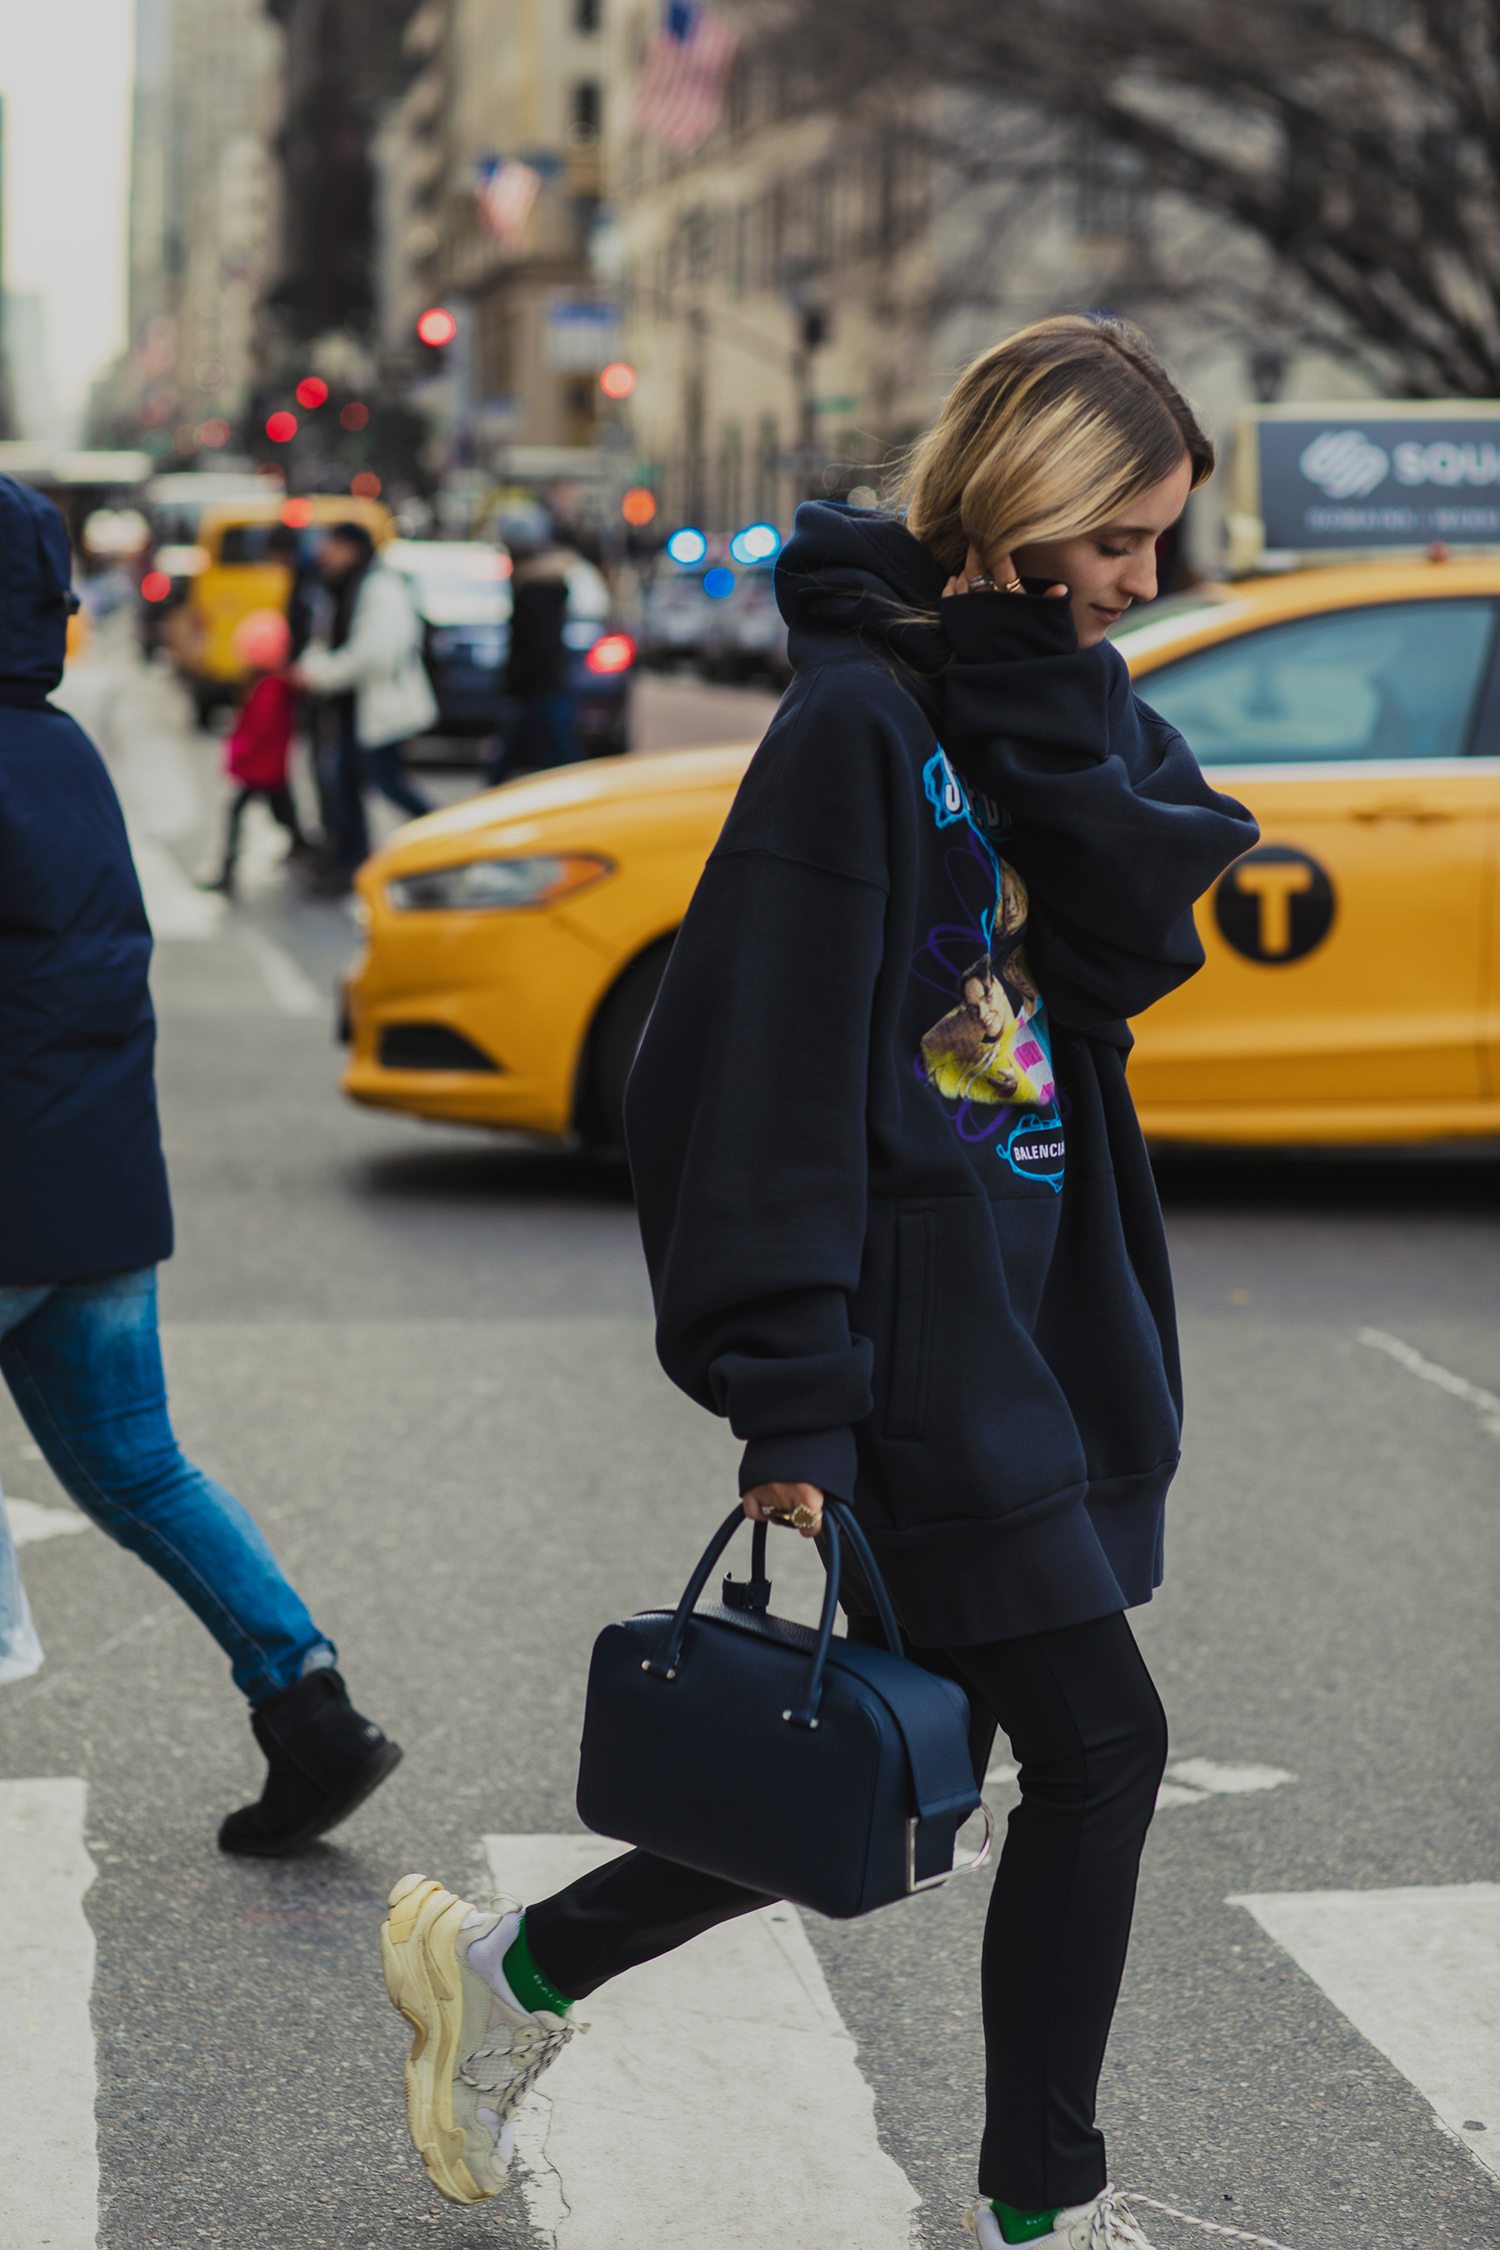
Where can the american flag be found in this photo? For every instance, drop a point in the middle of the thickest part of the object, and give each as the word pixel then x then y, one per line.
pixel 504 198
pixel 679 96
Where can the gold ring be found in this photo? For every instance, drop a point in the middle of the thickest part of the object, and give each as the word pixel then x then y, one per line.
pixel 800 1518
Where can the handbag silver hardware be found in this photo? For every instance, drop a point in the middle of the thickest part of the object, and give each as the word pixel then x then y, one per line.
pixel 965 1867
pixel 812 1725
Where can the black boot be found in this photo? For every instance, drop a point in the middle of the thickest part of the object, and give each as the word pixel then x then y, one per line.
pixel 324 1758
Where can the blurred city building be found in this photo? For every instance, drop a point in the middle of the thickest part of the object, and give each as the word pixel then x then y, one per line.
pixel 202 225
pixel 342 65
pixel 777 278
pixel 492 186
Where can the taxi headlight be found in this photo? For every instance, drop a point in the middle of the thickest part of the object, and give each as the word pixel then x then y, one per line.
pixel 481 884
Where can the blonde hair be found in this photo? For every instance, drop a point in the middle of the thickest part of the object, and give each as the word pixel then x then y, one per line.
pixel 1047 435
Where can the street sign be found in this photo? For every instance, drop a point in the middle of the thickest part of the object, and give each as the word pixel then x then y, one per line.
pixel 1381 473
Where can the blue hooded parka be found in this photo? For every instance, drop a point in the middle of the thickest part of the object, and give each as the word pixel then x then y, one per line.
pixel 83 1188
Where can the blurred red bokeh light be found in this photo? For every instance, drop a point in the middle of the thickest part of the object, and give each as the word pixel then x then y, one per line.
pixel 281 427
pixel 215 431
pixel 617 380
pixel 437 326
pixel 156 586
pixel 638 506
pixel 297 513
pixel 354 416
pixel 614 653
pixel 311 391
pixel 366 486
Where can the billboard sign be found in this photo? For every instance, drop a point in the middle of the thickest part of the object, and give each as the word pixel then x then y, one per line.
pixel 1340 478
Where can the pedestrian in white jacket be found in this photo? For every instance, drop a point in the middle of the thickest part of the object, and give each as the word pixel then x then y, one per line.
pixel 371 668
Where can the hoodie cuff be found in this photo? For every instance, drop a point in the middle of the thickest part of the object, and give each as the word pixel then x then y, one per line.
pixel 989 628
pixel 825 1458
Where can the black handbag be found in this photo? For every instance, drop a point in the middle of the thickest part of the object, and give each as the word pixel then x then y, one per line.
pixel 806 1766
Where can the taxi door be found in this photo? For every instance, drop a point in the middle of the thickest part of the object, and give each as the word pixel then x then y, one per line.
pixel 1347 953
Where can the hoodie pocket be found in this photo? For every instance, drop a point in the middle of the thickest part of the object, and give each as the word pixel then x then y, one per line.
pixel 911 1328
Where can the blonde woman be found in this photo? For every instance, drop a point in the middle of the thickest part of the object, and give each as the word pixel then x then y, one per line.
pixel 900 1222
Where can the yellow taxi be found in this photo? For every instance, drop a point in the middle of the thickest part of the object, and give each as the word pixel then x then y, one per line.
pixel 514 942
pixel 238 572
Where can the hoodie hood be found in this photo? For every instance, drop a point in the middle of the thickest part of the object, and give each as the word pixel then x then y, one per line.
pixel 848 575
pixel 36 593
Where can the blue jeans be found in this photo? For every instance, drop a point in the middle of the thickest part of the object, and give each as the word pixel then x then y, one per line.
pixel 537 733
pixel 83 1362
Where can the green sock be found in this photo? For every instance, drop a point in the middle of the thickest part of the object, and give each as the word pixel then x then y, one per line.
pixel 526 1981
pixel 1021 2226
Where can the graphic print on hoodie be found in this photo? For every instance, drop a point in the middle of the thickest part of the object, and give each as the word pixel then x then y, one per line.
pixel 989 1059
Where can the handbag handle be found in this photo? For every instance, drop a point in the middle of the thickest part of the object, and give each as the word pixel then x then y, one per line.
pixel 836 1514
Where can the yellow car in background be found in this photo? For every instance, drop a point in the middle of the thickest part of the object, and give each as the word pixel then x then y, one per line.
pixel 239 573
pixel 514 943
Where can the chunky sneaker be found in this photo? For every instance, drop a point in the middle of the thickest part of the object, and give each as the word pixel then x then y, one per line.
pixel 1104 2224
pixel 477 2053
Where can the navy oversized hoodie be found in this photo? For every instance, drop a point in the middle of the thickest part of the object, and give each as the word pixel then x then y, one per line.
pixel 83 1189
pixel 896 1207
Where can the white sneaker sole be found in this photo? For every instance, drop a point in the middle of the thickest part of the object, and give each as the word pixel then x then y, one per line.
pixel 418 1953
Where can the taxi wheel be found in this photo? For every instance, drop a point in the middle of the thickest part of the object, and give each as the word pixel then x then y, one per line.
pixel 618 1032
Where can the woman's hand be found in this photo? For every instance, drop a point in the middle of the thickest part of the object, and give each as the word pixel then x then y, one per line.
pixel 772 1503
pixel 1002 570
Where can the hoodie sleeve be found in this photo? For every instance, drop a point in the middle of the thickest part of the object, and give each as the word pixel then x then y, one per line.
pixel 1112 823
pixel 746 1108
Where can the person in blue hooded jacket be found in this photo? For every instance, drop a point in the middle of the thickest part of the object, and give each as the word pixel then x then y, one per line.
pixel 85 1219
pixel 900 1223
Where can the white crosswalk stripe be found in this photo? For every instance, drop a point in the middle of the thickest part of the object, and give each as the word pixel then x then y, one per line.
pixel 49 2169
pixel 719 2080
pixel 1417 1973
pixel 30 1521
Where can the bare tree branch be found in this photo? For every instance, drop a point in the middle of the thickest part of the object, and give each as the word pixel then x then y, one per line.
pixel 1353 144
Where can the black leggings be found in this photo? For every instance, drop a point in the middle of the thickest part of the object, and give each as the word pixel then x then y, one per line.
pixel 283 810
pixel 1090 1736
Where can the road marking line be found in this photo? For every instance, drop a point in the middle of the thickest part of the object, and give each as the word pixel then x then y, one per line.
pixel 1428 1370
pixel 1417 1973
pixel 49 2165
pixel 29 1521
pixel 717 2079
pixel 294 993
pixel 1191 1781
pixel 175 908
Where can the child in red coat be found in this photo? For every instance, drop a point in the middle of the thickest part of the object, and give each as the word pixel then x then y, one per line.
pixel 259 747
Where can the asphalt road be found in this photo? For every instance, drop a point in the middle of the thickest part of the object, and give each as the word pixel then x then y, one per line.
pixel 424 1360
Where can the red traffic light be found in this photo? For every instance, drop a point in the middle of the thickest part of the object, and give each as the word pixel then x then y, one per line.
pixel 617 380
pixel 281 428
pixel 437 326
pixel 311 391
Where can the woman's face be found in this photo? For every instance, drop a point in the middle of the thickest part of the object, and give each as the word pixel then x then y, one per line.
pixel 1108 569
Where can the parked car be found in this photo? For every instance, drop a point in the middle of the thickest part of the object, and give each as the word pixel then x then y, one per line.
pixel 461 589
pixel 675 616
pixel 744 633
